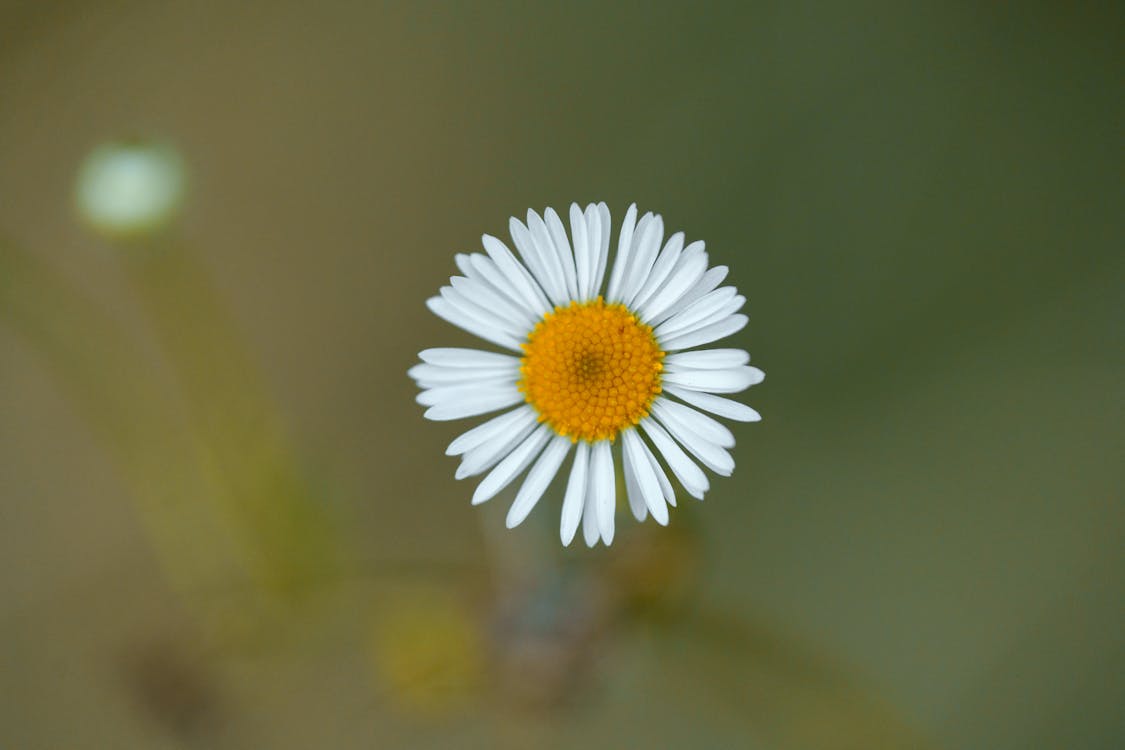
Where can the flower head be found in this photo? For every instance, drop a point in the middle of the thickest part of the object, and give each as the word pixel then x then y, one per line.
pixel 131 188
pixel 598 367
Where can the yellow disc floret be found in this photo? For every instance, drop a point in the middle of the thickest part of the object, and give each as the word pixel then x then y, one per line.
pixel 591 369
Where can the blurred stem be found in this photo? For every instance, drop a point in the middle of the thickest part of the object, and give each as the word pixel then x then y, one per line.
pixel 262 489
pixel 520 556
pixel 110 381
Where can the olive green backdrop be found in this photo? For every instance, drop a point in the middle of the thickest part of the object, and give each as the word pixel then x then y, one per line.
pixel 922 202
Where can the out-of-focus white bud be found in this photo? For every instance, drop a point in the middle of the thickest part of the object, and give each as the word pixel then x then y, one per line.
pixel 130 189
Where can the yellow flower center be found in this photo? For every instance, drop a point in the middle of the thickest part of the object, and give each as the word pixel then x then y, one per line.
pixel 591 370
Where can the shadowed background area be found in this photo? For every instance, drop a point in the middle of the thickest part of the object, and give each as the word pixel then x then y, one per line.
pixel 224 522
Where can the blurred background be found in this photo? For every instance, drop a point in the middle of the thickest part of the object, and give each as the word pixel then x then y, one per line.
pixel 225 524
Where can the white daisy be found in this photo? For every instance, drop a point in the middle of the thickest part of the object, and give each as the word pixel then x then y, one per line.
pixel 600 368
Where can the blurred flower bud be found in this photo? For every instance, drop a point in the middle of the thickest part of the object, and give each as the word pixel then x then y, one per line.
pixel 428 651
pixel 130 189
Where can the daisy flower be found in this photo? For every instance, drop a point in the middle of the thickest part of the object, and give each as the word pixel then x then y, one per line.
pixel 606 370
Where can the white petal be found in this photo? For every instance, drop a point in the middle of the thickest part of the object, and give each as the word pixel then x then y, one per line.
pixel 505 424
pixel 724 407
pixel 598 216
pixel 562 247
pixel 483 295
pixel 485 269
pixel 658 470
pixel 604 487
pixel 450 374
pixel 706 284
pixel 590 532
pixel 716 381
pixel 687 272
pixel 692 316
pixel 489 453
pixel 647 250
pixel 701 424
pixel 624 246
pixel 575 498
pixel 667 260
pixel 632 491
pixel 480 312
pixel 482 315
pixel 460 377
pixel 447 394
pixel 473 404
pixel 707 453
pixel 646 479
pixel 691 476
pixel 512 465
pixel 517 276
pixel 463 264
pixel 440 307
pixel 538 480
pixel 706 359
pixel 454 357
pixel 552 259
pixel 706 335
pixel 453 394
pixel 431 376
pixel 702 319
pixel 528 254
pixel 584 256
pixel 551 237
pixel 644 224
pixel 542 268
pixel 482 381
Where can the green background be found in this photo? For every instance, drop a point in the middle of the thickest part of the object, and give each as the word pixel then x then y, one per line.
pixel 922 202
